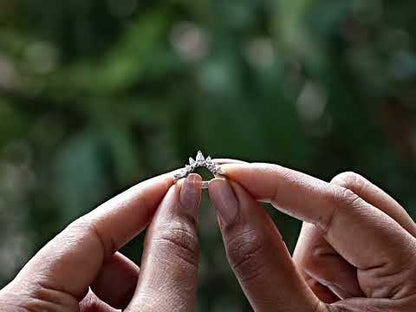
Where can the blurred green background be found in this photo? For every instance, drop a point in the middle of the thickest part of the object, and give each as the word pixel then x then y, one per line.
pixel 96 95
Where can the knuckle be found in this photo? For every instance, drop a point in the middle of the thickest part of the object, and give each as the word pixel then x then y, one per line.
pixel 245 252
pixel 349 180
pixel 342 196
pixel 179 240
pixel 84 227
pixel 339 198
pixel 317 258
pixel 35 296
pixel 80 228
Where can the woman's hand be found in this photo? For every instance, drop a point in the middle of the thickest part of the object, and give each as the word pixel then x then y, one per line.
pixel 357 250
pixel 81 270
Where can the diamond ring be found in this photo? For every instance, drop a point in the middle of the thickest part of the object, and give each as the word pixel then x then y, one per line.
pixel 199 162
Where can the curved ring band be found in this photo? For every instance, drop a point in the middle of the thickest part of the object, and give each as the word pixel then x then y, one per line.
pixel 203 162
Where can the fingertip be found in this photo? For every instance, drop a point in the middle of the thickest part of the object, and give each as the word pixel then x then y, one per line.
pixel 195 179
pixel 240 193
pixel 214 184
pixel 223 161
pixel 190 194
pixel 224 199
pixel 229 168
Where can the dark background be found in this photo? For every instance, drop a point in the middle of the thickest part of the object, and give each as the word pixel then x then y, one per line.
pixel 96 95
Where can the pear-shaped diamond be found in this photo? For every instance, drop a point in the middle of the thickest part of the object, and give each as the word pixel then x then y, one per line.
pixel 199 157
pixel 199 161
pixel 191 161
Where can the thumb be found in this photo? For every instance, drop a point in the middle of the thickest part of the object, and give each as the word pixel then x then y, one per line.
pixel 257 253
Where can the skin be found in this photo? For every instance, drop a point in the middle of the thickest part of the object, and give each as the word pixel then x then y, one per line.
pixel 82 270
pixel 356 251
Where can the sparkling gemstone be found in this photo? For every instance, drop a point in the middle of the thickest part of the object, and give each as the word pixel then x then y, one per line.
pixel 200 161
pixel 199 157
pixel 191 161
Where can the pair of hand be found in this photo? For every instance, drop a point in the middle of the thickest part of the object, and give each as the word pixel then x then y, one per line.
pixel 356 251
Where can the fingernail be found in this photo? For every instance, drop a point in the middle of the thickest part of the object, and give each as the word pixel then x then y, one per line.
pixel 224 200
pixel 190 195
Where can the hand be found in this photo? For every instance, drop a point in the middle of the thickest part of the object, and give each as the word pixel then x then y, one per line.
pixel 84 256
pixel 356 252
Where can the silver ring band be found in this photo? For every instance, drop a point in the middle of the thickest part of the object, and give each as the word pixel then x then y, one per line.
pixel 200 162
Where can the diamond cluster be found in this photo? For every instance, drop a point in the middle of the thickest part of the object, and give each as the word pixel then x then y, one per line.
pixel 199 161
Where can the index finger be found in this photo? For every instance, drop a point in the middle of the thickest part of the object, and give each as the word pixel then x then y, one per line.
pixel 70 262
pixel 363 235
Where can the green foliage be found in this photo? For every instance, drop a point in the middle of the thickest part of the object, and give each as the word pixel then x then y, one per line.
pixel 98 95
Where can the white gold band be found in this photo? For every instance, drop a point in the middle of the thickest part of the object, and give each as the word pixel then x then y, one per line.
pixel 200 162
